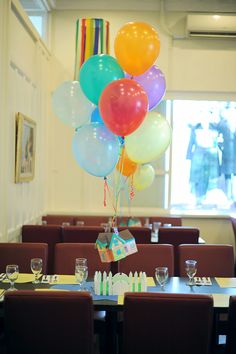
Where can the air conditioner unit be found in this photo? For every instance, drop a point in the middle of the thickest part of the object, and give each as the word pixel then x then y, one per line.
pixel 205 25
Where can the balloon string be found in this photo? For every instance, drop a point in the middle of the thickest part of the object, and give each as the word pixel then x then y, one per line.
pixel 105 188
pixel 132 193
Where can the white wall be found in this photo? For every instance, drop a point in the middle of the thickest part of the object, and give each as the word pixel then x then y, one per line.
pixel 24 66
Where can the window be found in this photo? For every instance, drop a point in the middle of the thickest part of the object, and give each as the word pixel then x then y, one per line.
pixel 203 159
pixel 38 15
pixel 37 21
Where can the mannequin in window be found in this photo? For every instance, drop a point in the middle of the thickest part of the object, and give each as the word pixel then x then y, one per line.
pixel 227 128
pixel 203 153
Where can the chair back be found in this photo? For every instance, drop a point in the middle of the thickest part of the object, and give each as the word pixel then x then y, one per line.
pixel 48 322
pixel 148 258
pixel 87 234
pixel 21 254
pixel 212 260
pixel 141 234
pixel 50 234
pixel 171 323
pixel 66 253
pixel 91 220
pixel 58 219
pixel 176 236
pixel 231 330
pixel 173 220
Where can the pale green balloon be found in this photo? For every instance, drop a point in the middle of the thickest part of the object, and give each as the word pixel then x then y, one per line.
pixel 150 140
pixel 143 177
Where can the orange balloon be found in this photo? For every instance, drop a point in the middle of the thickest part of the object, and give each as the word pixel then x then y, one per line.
pixel 126 166
pixel 137 46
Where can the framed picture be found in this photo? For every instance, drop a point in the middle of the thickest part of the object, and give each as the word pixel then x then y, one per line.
pixel 25 148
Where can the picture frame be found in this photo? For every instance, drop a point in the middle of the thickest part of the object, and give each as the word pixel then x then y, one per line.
pixel 25 148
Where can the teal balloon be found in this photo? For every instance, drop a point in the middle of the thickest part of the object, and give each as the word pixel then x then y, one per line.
pixel 95 117
pixel 96 149
pixel 70 104
pixel 96 73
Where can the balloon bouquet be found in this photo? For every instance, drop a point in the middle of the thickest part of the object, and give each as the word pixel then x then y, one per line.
pixel 111 108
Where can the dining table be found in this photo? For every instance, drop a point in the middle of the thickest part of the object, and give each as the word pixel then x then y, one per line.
pixel 219 288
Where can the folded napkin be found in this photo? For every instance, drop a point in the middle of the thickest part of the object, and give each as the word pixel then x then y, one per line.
pixel 226 282
pixel 2 276
pixel 24 278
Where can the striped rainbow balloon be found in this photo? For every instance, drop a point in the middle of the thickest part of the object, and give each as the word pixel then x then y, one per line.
pixel 92 37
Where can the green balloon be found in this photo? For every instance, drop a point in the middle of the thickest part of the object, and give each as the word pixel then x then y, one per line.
pixel 96 73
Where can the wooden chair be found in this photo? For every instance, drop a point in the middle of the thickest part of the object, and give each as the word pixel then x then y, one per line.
pixel 148 258
pixel 176 236
pixel 91 220
pixel 21 254
pixel 66 253
pixel 141 234
pixel 50 234
pixel 212 260
pixel 231 328
pixel 58 219
pixel 87 234
pixel 173 220
pixel 167 323
pixel 48 322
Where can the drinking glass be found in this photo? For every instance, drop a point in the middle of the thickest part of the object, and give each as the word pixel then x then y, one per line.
pixel 146 223
pixel 191 270
pixel 65 223
pixel 161 274
pixel 36 265
pixel 156 225
pixel 81 272
pixel 79 223
pixel 12 272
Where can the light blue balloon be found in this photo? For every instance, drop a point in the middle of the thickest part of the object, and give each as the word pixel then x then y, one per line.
pixel 95 117
pixel 70 104
pixel 96 149
pixel 96 73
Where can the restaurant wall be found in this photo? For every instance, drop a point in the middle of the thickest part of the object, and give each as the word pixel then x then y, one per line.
pixel 24 69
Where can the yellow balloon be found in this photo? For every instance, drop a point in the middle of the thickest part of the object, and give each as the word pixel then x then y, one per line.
pixel 143 177
pixel 137 46
pixel 150 140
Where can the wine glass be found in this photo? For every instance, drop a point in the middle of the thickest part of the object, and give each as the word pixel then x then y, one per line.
pixel 81 271
pixel 12 272
pixel 191 270
pixel 161 274
pixel 36 267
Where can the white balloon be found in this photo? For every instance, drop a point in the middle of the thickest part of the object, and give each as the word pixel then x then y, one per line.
pixel 70 104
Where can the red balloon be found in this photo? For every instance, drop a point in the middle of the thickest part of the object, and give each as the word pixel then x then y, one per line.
pixel 123 106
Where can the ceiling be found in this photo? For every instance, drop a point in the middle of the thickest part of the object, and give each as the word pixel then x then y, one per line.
pixel 212 6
